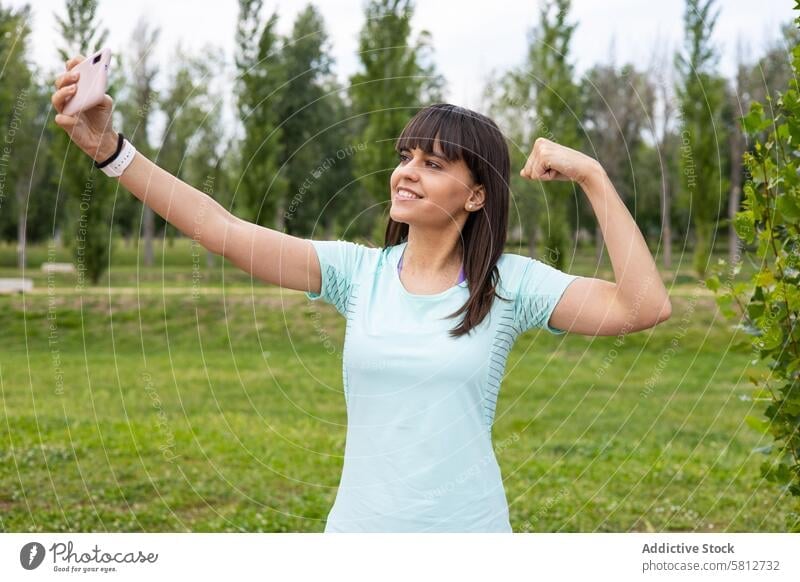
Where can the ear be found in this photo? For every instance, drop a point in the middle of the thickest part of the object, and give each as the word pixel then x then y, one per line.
pixel 476 199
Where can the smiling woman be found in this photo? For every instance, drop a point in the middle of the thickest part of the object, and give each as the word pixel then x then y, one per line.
pixel 418 453
pixel 457 162
pixel 420 390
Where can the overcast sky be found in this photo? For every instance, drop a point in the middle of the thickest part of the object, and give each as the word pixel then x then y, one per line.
pixel 470 37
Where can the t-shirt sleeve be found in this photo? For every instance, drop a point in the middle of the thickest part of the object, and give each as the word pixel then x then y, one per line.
pixel 339 262
pixel 541 288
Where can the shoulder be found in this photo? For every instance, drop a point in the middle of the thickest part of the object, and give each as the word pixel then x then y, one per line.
pixel 512 268
pixel 522 275
pixel 345 255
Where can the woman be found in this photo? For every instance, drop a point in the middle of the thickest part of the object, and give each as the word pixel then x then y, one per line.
pixel 420 389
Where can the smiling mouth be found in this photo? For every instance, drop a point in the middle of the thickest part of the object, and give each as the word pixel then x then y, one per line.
pixel 406 195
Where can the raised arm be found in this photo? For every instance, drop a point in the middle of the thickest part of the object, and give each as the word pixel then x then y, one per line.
pixel 637 300
pixel 269 255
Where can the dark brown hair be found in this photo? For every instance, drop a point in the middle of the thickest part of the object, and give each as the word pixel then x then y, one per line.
pixel 466 135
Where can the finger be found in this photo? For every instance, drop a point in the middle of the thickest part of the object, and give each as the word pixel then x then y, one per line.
pixel 541 171
pixel 526 169
pixel 533 163
pixel 67 78
pixel 66 121
pixel 76 60
pixel 61 96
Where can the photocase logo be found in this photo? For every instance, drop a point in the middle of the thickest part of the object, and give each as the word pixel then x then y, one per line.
pixel 31 555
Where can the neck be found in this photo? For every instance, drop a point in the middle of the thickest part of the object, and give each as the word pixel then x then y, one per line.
pixel 431 253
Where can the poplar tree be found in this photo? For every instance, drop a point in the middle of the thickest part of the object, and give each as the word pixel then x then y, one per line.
pixel 395 80
pixel 260 193
pixel 702 100
pixel 20 105
pixel 189 144
pixel 557 117
pixel 138 106
pixel 307 118
pixel 86 191
pixel 618 104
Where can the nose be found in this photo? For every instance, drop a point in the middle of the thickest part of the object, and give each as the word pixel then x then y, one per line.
pixel 410 169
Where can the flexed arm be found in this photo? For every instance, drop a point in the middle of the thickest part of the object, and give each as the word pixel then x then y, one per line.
pixel 638 299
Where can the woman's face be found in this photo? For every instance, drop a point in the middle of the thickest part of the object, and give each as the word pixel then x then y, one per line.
pixel 445 189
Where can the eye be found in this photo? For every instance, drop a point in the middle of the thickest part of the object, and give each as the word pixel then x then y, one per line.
pixel 435 165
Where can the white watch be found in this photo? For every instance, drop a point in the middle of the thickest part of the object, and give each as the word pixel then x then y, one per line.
pixel 121 162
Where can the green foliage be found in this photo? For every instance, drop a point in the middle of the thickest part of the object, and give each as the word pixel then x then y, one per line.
pixel 87 192
pixel 261 80
pixel 80 29
pixel 702 98
pixel 309 124
pixel 618 104
pixel 557 117
pixel 770 303
pixel 192 130
pixel 24 108
pixel 395 80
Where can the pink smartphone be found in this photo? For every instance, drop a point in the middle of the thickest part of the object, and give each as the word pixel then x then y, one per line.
pixel 92 83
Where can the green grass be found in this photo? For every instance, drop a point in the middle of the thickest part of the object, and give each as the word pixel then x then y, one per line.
pixel 223 412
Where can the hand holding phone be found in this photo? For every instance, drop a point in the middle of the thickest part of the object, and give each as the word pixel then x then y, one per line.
pixel 88 120
pixel 92 83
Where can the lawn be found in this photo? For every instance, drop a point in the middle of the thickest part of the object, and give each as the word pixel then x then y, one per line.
pixel 148 406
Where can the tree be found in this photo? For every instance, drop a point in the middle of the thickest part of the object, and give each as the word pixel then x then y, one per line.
pixel 261 190
pixel 139 103
pixel 760 81
pixel 702 98
pixel 557 116
pixel 87 190
pixel 16 95
pixel 753 83
pixel 396 78
pixel 666 144
pixel 306 115
pixel 769 303
pixel 190 142
pixel 617 105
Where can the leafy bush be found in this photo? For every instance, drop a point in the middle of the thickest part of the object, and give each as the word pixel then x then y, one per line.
pixel 770 222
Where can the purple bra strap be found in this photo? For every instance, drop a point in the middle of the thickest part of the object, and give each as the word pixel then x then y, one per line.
pixel 461 276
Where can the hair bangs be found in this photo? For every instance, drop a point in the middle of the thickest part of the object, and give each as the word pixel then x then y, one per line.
pixel 463 134
pixel 446 124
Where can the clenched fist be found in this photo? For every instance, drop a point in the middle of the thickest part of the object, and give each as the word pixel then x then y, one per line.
pixel 91 129
pixel 551 161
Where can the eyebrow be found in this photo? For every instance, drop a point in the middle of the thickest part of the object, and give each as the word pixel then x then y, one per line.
pixel 431 155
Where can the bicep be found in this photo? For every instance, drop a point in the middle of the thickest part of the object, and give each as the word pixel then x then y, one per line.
pixel 591 306
pixel 273 257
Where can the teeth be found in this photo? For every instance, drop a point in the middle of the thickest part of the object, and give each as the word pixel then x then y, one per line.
pixel 406 195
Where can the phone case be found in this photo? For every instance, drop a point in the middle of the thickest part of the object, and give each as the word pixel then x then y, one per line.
pixel 92 83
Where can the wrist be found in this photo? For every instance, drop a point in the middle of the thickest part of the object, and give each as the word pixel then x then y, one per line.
pixel 594 177
pixel 123 155
pixel 107 146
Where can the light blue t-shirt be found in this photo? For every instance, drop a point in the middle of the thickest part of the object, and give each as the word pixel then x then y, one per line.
pixel 420 404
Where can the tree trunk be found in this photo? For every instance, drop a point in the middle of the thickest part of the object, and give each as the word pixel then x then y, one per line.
pixel 21 239
pixel 22 225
